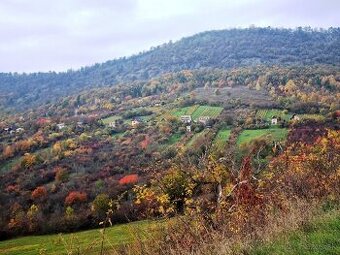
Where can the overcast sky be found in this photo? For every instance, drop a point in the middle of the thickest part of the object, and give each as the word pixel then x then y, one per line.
pixel 43 35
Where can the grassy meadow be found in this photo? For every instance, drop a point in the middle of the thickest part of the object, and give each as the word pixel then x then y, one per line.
pixel 84 242
pixel 277 134
pixel 267 114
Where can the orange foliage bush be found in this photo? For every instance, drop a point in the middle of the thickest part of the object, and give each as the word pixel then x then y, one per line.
pixel 8 152
pixel 39 192
pixel 74 197
pixel 129 179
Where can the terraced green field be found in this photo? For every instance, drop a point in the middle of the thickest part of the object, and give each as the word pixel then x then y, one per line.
pixel 221 138
pixel 197 111
pixel 267 114
pixel 184 110
pixel 277 134
pixel 85 242
pixel 209 111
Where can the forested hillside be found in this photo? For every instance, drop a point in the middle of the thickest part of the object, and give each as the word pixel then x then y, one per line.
pixel 215 49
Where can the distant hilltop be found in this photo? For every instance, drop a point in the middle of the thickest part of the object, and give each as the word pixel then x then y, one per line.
pixel 213 49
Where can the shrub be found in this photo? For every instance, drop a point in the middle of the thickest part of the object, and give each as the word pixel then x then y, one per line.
pixel 75 197
pixel 39 192
pixel 129 179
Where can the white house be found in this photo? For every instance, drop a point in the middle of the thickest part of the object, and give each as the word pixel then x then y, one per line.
pixel 61 126
pixel 274 120
pixel 186 118
pixel 112 124
pixel 135 122
pixel 204 119
pixel 188 129
pixel 295 117
pixel 19 130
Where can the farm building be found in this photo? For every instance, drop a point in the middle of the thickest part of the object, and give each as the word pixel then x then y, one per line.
pixel 274 120
pixel 186 118
pixel 135 122
pixel 8 129
pixel 295 117
pixel 114 124
pixel 204 120
pixel 19 130
pixel 61 126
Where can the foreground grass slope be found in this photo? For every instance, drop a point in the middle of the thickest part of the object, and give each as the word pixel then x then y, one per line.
pixel 84 242
pixel 321 236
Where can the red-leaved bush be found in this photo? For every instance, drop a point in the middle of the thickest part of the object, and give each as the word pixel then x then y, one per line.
pixel 129 179
pixel 39 192
pixel 74 197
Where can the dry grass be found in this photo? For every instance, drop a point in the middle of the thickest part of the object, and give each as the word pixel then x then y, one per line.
pixel 191 236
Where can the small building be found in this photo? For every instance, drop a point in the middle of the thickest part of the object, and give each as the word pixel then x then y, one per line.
pixel 112 124
pixel 188 128
pixel 204 120
pixel 8 129
pixel 80 124
pixel 19 130
pixel 274 120
pixel 295 117
pixel 135 122
pixel 186 118
pixel 61 126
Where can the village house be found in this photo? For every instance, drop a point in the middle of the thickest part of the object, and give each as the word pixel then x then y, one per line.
pixel 295 117
pixel 8 129
pixel 204 120
pixel 19 130
pixel 61 126
pixel 112 124
pixel 135 122
pixel 274 120
pixel 186 118
pixel 188 129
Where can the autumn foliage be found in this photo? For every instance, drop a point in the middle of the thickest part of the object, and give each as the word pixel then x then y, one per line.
pixel 129 179
pixel 75 197
pixel 39 192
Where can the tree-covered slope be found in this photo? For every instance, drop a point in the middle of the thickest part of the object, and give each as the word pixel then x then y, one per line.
pixel 216 49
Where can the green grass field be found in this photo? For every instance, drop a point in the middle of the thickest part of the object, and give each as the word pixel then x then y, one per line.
pixel 210 111
pixel 197 111
pixel 221 138
pixel 319 237
pixel 267 114
pixel 175 138
pixel 184 110
pixel 110 119
pixel 277 134
pixel 85 242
